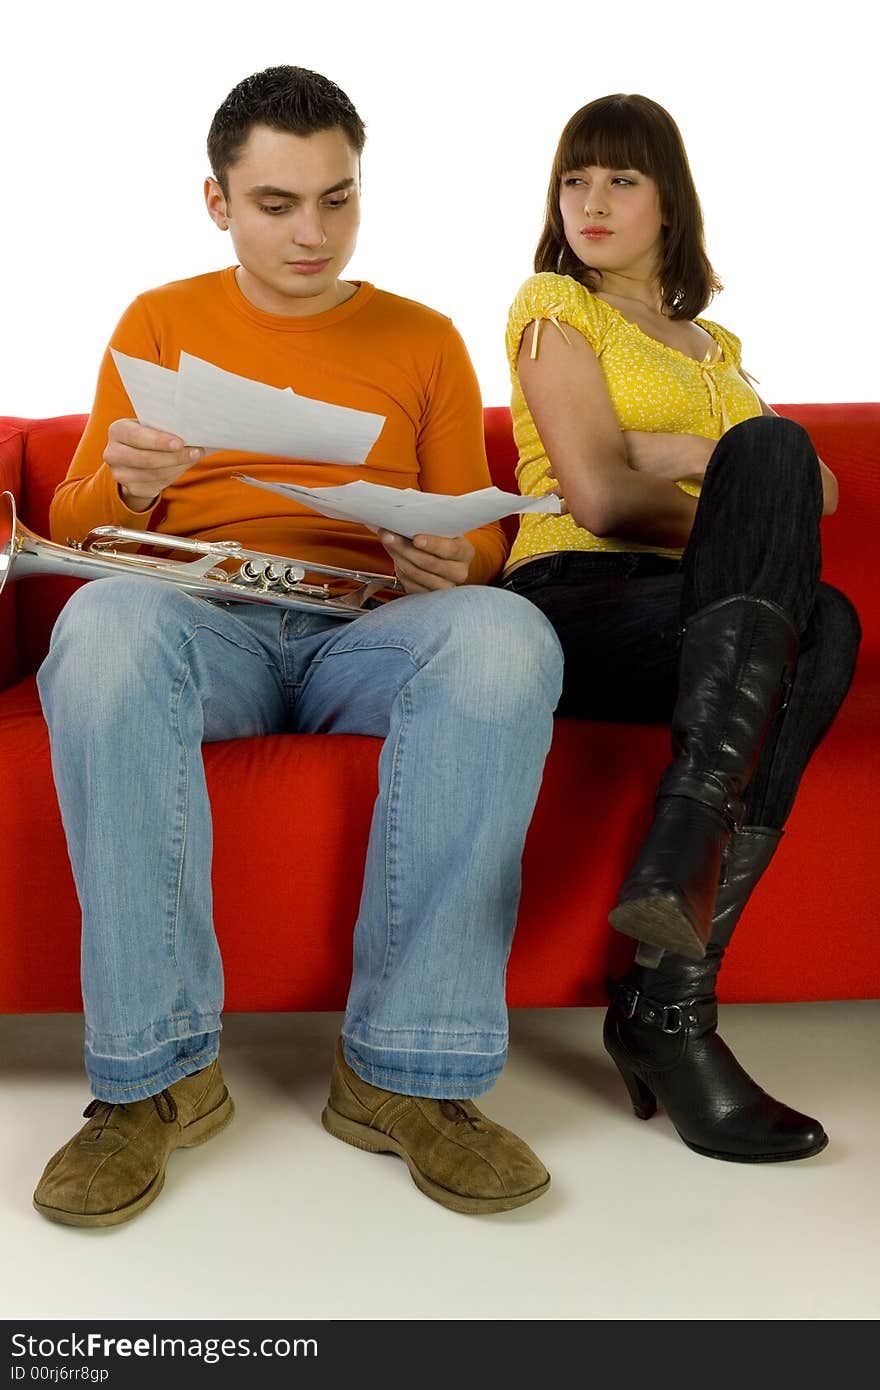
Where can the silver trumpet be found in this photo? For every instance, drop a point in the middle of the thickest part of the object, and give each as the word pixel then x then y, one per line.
pixel 259 578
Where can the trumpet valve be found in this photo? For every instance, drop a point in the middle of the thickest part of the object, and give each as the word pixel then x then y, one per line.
pixel 253 572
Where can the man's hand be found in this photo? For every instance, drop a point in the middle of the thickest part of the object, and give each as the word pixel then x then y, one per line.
pixel 426 563
pixel 144 461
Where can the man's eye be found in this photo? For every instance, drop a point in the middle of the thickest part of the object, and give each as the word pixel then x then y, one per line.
pixel 336 202
pixel 273 207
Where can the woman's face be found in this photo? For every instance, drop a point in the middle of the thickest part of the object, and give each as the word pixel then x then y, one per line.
pixel 612 219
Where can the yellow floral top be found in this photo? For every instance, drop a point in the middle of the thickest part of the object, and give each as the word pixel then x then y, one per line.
pixel 652 388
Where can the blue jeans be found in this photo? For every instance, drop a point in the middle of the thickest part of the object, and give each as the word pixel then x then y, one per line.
pixel 461 685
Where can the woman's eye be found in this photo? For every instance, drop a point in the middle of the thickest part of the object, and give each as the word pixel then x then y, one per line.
pixel 572 181
pixel 630 183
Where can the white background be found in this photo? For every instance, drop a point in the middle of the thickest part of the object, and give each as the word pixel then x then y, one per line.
pixel 104 110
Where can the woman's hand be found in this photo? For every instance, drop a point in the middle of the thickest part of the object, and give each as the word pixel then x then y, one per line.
pixel 670 456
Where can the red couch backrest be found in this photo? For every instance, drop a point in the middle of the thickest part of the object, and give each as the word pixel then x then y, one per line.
pixel 34 456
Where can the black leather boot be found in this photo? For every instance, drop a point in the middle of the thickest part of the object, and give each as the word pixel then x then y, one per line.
pixel 737 663
pixel 660 1031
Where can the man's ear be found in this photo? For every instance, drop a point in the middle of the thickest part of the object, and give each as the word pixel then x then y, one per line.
pixel 215 202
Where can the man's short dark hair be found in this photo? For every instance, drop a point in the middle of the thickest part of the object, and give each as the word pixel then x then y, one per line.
pixel 284 98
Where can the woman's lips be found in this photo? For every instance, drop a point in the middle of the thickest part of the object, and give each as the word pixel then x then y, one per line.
pixel 595 233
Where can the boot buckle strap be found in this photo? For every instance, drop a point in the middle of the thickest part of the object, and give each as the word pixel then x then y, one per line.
pixel 673 1019
pixel 785 693
pixel 668 1024
pixel 735 813
pixel 707 789
pixel 627 1001
pixel 669 1018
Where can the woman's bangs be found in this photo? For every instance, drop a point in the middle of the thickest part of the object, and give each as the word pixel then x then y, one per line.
pixel 618 142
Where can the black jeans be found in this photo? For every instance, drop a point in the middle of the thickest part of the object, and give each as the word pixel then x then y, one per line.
pixel 619 615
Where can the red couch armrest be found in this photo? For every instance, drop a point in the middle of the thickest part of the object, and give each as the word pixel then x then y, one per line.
pixel 47 448
pixel 11 450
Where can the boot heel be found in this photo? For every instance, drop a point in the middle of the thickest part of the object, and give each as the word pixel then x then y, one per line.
pixel 643 1100
pixel 662 920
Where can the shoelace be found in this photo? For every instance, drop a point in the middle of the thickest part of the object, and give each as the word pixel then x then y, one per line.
pixel 452 1110
pixel 166 1109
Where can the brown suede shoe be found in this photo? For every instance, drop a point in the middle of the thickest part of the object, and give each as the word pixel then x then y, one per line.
pixel 454 1153
pixel 115 1165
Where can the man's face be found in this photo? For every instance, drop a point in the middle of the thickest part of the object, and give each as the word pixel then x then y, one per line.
pixel 293 212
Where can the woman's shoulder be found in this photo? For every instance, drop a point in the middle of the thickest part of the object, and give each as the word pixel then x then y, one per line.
pixel 546 289
pixel 550 296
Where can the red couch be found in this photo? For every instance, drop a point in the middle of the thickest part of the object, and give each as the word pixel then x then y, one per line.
pixel 286 900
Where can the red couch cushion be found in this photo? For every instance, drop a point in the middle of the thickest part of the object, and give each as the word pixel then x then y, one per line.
pixel 287 879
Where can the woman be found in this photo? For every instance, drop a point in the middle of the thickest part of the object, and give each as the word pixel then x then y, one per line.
pixel 682 578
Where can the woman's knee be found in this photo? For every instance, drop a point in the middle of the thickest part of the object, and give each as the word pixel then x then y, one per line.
pixel 765 431
pixel 769 442
pixel 835 624
pixel 768 458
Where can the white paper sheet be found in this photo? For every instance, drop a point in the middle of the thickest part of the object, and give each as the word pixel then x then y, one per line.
pixel 216 409
pixel 406 510
pixel 151 390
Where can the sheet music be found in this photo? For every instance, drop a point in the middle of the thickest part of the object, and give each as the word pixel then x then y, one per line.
pixel 151 390
pixel 406 510
pixel 215 409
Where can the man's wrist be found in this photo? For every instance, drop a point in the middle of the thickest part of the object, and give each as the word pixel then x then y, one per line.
pixel 135 503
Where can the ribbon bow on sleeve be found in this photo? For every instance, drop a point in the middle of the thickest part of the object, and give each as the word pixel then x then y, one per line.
pixel 549 313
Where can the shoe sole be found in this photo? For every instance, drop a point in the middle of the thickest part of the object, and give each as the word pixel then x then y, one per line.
pixel 644 1104
pixel 199 1132
pixel 660 920
pixel 373 1141
pixel 758 1158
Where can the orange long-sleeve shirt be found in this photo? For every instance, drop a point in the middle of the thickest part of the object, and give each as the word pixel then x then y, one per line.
pixel 375 352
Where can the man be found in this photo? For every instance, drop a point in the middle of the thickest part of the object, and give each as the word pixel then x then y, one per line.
pixel 459 679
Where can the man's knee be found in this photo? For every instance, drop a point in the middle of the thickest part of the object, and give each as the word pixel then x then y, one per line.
pixel 504 649
pixel 114 610
pixel 109 633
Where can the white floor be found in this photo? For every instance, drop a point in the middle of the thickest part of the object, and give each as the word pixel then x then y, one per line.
pixel 276 1219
